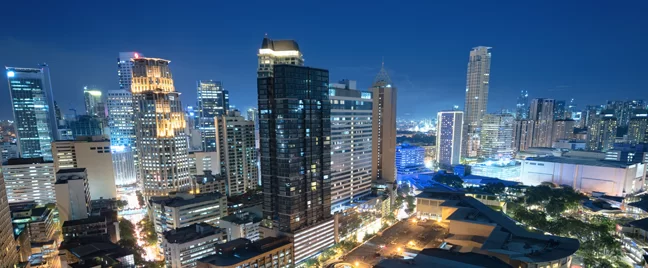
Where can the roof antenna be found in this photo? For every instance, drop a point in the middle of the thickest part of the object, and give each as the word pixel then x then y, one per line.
pixel 383 61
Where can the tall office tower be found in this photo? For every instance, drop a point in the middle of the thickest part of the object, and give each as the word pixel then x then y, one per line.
pixel 121 122
pixel 182 209
pixel 87 125
pixel 29 180
pixel 125 68
pixel 58 113
pixel 559 109
pixel 160 124
pixel 72 194
pixel 93 154
pixel 238 156
pixel 477 79
pixel 542 113
pixel 602 133
pixel 623 110
pixel 571 110
pixel 638 126
pixel 448 137
pixel 274 52
pixel 33 110
pixel 410 159
pixel 384 94
pixel 8 253
pixel 295 129
pixel 563 129
pixel 252 114
pixel 94 103
pixel 591 114
pixel 496 136
pixel 351 133
pixel 522 106
pixel 523 133
pixel 213 101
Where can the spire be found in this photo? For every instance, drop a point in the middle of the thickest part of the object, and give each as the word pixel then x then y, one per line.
pixel 382 78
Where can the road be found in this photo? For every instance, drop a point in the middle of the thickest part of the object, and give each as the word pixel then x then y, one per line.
pixel 401 239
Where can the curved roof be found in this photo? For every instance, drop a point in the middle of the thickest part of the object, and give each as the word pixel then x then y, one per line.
pixel 279 45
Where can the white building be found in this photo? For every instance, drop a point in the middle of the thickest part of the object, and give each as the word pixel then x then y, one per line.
pixel 93 154
pixel 351 146
pixel 29 179
pixel 72 194
pixel 201 161
pixel 182 209
pixel 448 138
pixel 587 175
pixel 183 247
pixel 242 225
pixel 236 144
pixel 496 136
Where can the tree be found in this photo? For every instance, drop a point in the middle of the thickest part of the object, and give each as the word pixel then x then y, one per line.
pixel 140 199
pixel 449 179
pixel 312 263
pixel 148 230
pixel 495 188
pixel 121 204
pixel 411 203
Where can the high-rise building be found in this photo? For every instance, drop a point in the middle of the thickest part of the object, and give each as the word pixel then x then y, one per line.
pixel 238 156
pixel 87 125
pixel 522 106
pixel 33 109
pixel 410 159
pixel 384 95
pixel 602 133
pixel 523 133
pixel 542 113
pixel 121 120
pixel 295 130
pixel 448 138
pixel 571 110
pixel 560 109
pixel 182 210
pixel 591 114
pixel 199 162
pixel 72 194
pixel 638 126
pixel 563 129
pixel 93 154
pixel 183 247
pixel 496 136
pixel 8 150
pixel 351 133
pixel 125 68
pixel 94 103
pixel 30 180
pixel 252 114
pixel 623 110
pixel 213 101
pixel 476 104
pixel 160 124
pixel 8 254
pixel 275 52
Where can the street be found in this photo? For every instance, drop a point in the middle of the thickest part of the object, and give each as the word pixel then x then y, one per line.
pixel 402 239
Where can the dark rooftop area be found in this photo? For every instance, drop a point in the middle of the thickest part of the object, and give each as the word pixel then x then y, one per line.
pixel 70 170
pixel 467 257
pixel 239 250
pixel 26 161
pixel 89 220
pixel 185 199
pixel 190 233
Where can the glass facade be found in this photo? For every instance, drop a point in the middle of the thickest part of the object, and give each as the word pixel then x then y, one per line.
pixel 295 133
pixel 35 123
pixel 213 101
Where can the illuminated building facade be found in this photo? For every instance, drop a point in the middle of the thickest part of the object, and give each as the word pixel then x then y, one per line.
pixel 125 68
pixel 94 103
pixel 182 210
pixel 9 256
pixel 602 132
pixel 542 114
pixel 29 180
pixel 351 146
pixel 121 122
pixel 522 106
pixel 238 155
pixel 410 159
pixel 638 126
pixel 477 84
pixel 384 94
pixel 213 101
pixel 273 52
pixel 33 110
pixel 160 121
pixel 496 136
pixel 449 132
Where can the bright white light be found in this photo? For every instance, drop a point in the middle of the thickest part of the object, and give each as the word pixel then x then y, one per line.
pixel 118 148
pixel 11 74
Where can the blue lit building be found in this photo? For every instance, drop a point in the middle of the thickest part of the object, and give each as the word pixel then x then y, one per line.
pixel 410 159
pixel 33 110
pixel 213 101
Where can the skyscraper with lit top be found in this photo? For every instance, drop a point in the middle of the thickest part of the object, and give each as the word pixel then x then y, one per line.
pixel 384 128
pixel 160 124
pixel 273 52
pixel 213 101
pixel 477 85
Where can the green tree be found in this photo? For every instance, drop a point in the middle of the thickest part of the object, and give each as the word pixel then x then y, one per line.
pixel 148 230
pixel 411 203
pixel 312 263
pixel 140 199
pixel 494 188
pixel 121 204
pixel 449 179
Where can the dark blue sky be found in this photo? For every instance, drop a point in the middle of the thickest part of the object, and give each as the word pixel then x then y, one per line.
pixel 590 50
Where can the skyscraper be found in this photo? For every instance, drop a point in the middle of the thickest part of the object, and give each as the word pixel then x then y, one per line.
pixel 496 136
pixel 121 122
pixel 236 145
pixel 8 252
pixel 213 101
pixel 448 138
pixel 563 129
pixel 384 95
pixel 542 114
pixel 273 52
pixel 522 106
pixel 33 111
pixel 125 68
pixel 160 124
pixel 94 103
pixel 523 132
pixel 477 79
pixel 295 130
pixel 623 110
pixel 602 133
pixel 559 109
pixel 351 146
pixel 638 126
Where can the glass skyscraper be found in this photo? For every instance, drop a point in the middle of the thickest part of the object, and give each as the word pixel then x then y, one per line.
pixel 213 101
pixel 476 104
pixel 33 110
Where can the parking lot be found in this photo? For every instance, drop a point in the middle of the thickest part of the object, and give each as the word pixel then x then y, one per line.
pixel 404 238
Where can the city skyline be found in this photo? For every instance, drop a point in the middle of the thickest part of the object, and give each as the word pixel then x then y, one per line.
pixel 558 72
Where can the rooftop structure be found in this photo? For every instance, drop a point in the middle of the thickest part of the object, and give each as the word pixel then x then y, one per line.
pixel 243 252
pixel 441 258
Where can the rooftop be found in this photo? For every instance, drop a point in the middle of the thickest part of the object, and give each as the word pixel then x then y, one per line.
pixel 482 180
pixel 239 250
pixel 581 161
pixel 27 161
pixel 242 218
pixel 191 233
pixel 89 220
pixel 70 170
pixel 185 199
pixel 279 45
pixel 436 257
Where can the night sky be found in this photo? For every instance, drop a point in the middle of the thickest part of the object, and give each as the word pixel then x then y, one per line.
pixel 592 51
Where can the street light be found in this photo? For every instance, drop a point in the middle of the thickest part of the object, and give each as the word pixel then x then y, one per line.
pixel 357 264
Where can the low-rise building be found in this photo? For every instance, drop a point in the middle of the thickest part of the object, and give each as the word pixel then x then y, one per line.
pixel 267 252
pixel 39 221
pixel 95 253
pixel 243 225
pixel 95 226
pixel 183 247
pixel 29 179
pixel 182 209
pixel 208 183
